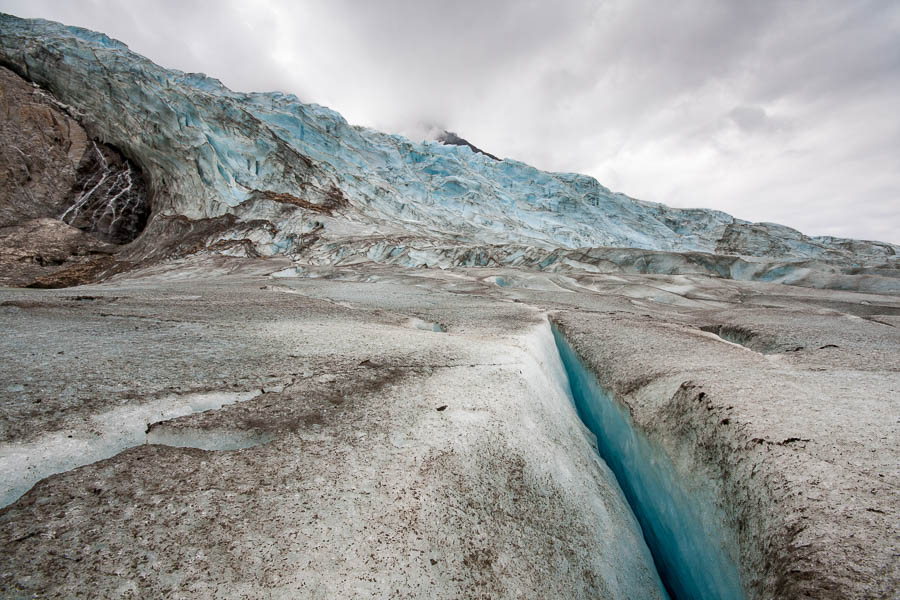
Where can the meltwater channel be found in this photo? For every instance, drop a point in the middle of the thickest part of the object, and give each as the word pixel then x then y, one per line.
pixel 684 532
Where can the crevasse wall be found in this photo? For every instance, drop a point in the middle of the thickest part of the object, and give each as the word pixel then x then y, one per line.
pixel 681 523
pixel 629 566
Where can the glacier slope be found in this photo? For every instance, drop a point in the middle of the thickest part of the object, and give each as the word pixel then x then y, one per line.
pixel 292 175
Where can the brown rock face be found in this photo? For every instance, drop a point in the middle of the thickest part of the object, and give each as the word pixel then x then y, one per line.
pixel 40 150
pixel 42 247
pixel 55 181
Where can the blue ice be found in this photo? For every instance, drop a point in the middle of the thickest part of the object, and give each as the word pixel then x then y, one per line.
pixel 683 529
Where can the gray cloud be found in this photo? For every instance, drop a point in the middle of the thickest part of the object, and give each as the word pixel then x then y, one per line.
pixel 750 118
pixel 772 110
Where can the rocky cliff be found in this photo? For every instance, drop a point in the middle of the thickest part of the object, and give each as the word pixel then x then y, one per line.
pixel 65 200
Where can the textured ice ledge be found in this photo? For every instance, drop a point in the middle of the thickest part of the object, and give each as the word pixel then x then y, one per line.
pixel 24 464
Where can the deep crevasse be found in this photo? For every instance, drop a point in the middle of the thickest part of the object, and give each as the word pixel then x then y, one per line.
pixel 683 527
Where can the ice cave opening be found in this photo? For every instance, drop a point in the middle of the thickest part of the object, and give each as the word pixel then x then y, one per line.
pixel 682 525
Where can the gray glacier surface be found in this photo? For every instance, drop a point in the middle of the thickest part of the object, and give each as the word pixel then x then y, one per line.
pixel 252 351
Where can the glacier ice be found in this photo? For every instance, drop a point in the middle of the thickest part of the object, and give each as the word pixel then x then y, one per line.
pixel 684 529
pixel 209 151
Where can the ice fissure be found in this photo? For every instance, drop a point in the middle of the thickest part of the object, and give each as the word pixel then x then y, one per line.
pixel 682 526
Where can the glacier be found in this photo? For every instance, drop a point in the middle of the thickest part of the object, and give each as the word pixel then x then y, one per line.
pixel 300 358
pixel 298 180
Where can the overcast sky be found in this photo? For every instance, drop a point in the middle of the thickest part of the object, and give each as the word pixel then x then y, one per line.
pixel 772 111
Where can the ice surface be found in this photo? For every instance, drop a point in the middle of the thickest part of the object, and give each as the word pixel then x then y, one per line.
pixel 206 439
pixel 416 323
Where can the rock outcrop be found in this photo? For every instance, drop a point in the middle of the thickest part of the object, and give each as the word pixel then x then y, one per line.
pixel 451 139
pixel 65 199
pixel 34 251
